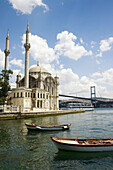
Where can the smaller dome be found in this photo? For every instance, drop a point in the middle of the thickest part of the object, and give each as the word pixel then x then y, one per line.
pixel 38 69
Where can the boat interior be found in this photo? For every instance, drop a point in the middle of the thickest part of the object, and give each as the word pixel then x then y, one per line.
pixel 108 141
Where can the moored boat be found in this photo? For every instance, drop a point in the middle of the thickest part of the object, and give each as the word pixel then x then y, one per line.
pixel 47 127
pixel 83 145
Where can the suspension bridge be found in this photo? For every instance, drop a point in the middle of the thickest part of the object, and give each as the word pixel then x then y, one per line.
pixel 96 101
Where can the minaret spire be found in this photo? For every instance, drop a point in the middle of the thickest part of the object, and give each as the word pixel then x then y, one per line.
pixel 27 26
pixel 27 47
pixel 6 51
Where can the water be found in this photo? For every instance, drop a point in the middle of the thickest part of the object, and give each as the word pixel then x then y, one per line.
pixel 22 150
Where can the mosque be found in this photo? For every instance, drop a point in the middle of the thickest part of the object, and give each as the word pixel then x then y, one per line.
pixel 37 90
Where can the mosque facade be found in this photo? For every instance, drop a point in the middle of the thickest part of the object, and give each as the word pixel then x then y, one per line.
pixel 37 90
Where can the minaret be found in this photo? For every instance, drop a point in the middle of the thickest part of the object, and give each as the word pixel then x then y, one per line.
pixel 6 51
pixel 27 47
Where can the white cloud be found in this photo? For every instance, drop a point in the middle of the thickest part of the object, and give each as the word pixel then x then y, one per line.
pixel 96 75
pixel 2 59
pixel 40 51
pixel 71 83
pixel 99 54
pixel 105 45
pixel 14 77
pixel 81 86
pixel 61 66
pixel 67 47
pixel 81 40
pixel 13 85
pixel 27 6
pixel 17 63
pixel 106 77
pixel 93 44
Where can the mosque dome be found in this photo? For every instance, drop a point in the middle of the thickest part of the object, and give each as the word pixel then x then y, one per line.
pixel 37 69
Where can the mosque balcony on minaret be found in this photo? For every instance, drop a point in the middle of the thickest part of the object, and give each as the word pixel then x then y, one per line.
pixel 7 52
pixel 27 46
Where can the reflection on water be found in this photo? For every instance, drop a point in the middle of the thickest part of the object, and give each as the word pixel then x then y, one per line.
pixel 37 133
pixel 51 120
pixel 20 149
pixel 65 155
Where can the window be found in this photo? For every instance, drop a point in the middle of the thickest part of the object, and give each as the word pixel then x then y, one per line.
pixel 33 95
pixel 26 94
pixel 41 103
pixel 38 103
pixel 21 94
pixel 17 94
pixel 41 95
pixel 44 96
pixel 14 95
pixel 38 95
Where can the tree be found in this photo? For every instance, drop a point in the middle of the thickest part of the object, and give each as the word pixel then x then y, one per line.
pixel 4 85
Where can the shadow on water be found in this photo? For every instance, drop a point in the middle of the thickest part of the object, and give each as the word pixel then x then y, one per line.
pixel 53 133
pixel 36 133
pixel 66 155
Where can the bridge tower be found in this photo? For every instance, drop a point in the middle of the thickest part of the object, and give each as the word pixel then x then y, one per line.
pixel 93 95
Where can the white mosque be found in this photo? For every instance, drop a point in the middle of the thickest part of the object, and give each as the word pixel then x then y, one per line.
pixel 37 90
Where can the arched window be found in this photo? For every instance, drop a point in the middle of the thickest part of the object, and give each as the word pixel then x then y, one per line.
pixel 41 95
pixel 17 94
pixel 21 94
pixel 41 104
pixel 38 103
pixel 26 94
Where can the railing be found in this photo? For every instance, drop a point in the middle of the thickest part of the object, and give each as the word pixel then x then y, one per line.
pixel 10 108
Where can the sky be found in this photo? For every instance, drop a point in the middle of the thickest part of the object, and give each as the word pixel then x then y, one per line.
pixel 70 38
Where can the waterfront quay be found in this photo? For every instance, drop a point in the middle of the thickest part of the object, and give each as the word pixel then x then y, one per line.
pixel 23 115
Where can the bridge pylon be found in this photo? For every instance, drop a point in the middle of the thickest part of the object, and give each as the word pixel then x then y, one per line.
pixel 93 95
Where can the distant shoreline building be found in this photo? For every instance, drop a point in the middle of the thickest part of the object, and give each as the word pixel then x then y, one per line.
pixel 37 90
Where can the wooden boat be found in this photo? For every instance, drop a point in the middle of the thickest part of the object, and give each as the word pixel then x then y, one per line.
pixel 83 145
pixel 47 127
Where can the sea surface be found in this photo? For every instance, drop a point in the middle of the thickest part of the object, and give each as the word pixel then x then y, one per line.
pixel 21 150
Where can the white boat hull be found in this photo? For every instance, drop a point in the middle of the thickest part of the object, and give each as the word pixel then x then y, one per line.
pixel 83 148
pixel 70 146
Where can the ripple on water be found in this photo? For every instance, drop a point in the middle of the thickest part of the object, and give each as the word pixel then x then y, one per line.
pixel 20 149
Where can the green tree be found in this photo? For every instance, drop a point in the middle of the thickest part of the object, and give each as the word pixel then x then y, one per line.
pixel 4 84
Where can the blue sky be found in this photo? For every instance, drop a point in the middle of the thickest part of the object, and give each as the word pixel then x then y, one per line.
pixel 70 38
